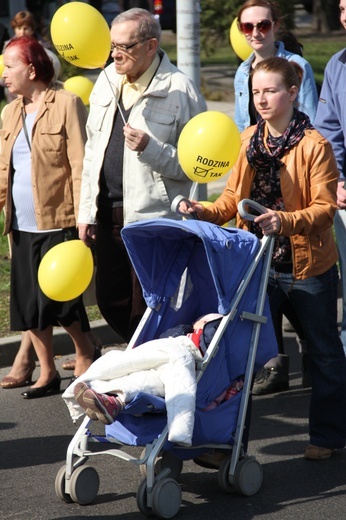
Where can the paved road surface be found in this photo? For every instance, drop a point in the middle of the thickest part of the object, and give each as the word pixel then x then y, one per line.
pixel 34 436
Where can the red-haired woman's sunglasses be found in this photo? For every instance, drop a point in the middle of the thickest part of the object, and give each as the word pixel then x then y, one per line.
pixel 263 26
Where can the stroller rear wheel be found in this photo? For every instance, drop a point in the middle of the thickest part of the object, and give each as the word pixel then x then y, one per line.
pixel 223 476
pixel 248 476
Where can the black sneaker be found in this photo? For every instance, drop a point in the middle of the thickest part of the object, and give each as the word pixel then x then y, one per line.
pixel 270 381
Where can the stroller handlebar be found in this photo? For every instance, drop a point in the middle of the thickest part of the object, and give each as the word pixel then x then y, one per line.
pixel 241 208
pixel 251 204
pixel 175 207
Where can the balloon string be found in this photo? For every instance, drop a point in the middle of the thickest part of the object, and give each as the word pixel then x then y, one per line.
pixel 193 190
pixel 115 97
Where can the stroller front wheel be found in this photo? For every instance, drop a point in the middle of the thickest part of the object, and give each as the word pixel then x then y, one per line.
pixel 164 460
pixel 142 499
pixel 166 498
pixel 84 485
pixel 60 480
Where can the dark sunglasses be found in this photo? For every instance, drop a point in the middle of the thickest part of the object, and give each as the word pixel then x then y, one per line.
pixel 263 26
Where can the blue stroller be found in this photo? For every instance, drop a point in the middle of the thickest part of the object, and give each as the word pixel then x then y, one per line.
pixel 188 269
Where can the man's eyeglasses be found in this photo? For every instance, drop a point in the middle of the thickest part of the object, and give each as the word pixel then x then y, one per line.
pixel 124 48
pixel 263 26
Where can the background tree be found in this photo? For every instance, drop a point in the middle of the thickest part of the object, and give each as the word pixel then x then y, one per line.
pixel 325 15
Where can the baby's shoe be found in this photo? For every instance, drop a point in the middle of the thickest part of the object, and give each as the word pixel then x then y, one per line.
pixel 79 391
pixel 103 407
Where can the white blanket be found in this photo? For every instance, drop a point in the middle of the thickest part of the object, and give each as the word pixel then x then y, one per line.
pixel 163 367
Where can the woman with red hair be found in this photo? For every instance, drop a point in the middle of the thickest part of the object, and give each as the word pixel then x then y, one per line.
pixel 42 150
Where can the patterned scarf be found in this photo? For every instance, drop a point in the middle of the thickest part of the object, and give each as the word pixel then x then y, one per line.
pixel 266 188
pixel 263 159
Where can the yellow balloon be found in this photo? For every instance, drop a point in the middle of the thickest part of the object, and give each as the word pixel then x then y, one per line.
pixel 238 42
pixel 2 66
pixel 66 270
pixel 80 86
pixel 81 35
pixel 208 146
pixel 207 203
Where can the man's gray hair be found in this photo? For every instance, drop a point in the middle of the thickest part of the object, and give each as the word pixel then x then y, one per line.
pixel 148 26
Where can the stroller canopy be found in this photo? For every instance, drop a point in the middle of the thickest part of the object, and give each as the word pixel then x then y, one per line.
pixel 161 249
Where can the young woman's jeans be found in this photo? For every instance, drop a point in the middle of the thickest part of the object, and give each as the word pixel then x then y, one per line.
pixel 315 302
pixel 340 233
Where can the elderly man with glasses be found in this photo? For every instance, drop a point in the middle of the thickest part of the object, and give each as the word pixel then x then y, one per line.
pixel 138 108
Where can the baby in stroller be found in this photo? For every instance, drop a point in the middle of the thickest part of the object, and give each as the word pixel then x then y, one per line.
pixel 150 367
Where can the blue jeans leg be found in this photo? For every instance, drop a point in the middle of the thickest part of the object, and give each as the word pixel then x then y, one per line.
pixel 315 302
pixel 340 233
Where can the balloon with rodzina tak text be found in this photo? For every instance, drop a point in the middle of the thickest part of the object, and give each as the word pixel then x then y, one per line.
pixel 81 35
pixel 208 146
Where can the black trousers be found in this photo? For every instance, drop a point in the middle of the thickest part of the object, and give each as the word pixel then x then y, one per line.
pixel 118 291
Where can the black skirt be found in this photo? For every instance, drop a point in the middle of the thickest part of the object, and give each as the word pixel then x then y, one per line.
pixel 29 307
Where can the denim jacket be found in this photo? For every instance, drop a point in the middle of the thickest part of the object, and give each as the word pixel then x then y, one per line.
pixel 307 98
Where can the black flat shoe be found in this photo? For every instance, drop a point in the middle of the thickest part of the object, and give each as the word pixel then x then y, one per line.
pixel 53 387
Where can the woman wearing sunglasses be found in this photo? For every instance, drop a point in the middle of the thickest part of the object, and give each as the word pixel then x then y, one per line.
pixel 259 20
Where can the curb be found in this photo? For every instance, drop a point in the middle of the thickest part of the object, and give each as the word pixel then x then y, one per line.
pixel 63 344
